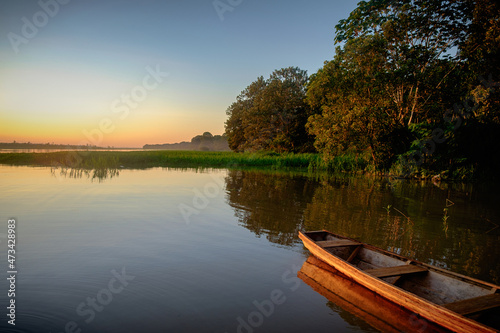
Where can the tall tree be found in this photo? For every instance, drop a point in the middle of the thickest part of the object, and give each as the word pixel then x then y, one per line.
pixel 238 112
pixel 271 114
pixel 398 62
pixel 354 110
pixel 420 36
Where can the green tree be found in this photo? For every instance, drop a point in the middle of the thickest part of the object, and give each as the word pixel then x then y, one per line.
pixel 238 113
pixel 394 70
pixel 420 36
pixel 349 99
pixel 271 114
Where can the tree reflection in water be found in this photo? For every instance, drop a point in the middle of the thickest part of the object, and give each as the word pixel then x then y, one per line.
pixel 401 216
pixel 270 204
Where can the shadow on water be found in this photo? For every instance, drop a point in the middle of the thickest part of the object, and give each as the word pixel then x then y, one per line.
pixel 450 225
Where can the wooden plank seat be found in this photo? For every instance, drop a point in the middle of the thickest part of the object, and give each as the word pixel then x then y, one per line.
pixel 474 305
pixel 337 243
pixel 395 271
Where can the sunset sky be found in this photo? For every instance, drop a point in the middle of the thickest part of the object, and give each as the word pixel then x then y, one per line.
pixel 128 73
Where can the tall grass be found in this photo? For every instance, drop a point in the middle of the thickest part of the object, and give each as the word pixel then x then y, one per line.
pixel 348 162
pixel 203 159
pixel 147 159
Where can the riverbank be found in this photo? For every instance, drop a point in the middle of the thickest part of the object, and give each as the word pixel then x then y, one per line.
pixel 149 159
pixel 348 163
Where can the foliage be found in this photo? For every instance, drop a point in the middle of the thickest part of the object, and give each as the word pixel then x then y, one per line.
pixel 353 108
pixel 271 114
pixel 399 70
pixel 208 142
pixel 481 48
pixel 419 36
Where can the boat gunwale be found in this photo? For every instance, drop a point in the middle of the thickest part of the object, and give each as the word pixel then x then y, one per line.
pixel 427 309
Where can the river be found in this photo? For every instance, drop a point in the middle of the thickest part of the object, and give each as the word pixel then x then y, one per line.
pixel 185 250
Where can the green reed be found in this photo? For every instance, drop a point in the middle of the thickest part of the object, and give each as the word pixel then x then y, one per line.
pixel 172 158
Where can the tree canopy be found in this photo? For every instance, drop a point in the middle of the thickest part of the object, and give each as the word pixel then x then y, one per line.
pixel 400 68
pixel 271 114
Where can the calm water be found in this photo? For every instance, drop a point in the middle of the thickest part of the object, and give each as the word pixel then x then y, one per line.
pixel 169 250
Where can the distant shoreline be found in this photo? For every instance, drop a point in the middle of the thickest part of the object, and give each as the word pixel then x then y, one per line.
pixel 55 150
pixel 51 146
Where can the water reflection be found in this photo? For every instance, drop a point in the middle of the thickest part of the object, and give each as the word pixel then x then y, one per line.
pixel 410 218
pixel 270 204
pixel 99 174
pixel 203 276
pixel 414 225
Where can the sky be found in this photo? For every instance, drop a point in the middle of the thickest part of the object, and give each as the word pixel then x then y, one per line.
pixel 129 73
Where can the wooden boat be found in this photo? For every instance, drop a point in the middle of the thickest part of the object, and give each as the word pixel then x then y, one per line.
pixel 453 301
pixel 349 296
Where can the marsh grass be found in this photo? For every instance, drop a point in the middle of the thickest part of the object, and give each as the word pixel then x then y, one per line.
pixel 106 160
pixel 349 162
pixel 148 159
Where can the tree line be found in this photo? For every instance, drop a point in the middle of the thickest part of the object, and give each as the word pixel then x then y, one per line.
pixel 414 84
pixel 203 142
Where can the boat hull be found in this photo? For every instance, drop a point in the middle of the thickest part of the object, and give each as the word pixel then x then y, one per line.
pixel 380 313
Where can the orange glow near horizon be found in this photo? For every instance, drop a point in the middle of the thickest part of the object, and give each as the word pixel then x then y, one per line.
pixel 63 117
pixel 140 129
pixel 72 104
